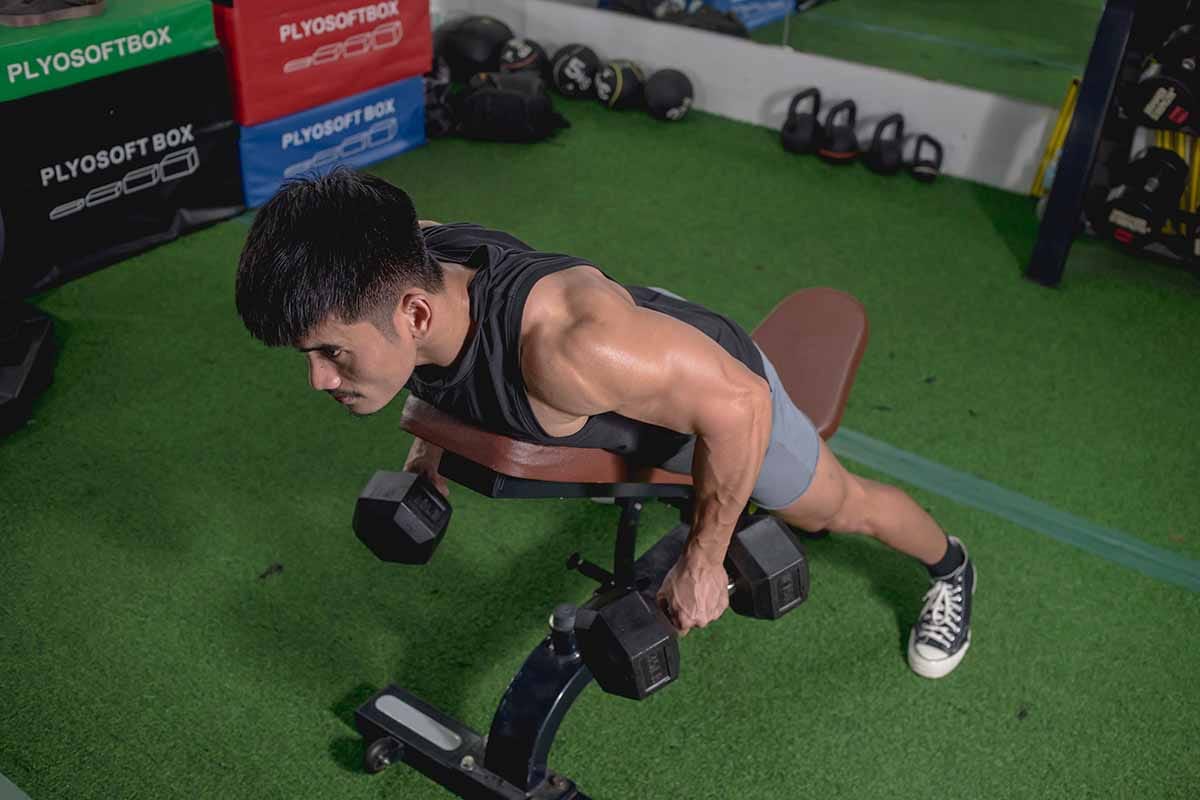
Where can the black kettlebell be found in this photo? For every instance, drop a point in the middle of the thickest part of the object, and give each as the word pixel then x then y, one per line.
pixel 841 143
pixel 802 133
pixel 884 156
pixel 926 168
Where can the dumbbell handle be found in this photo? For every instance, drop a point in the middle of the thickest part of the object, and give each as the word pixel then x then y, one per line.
pixel 789 592
pixel 730 588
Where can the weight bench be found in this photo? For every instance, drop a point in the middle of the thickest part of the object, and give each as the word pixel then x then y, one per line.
pixel 815 338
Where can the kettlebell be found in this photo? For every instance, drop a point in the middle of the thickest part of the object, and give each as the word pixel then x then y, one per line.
pixel 802 133
pixel 841 143
pixel 926 168
pixel 884 156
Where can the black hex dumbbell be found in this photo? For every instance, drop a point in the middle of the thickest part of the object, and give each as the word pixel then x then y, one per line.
pixel 631 647
pixel 401 517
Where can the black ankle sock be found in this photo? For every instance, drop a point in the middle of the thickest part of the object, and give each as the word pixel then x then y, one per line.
pixel 953 559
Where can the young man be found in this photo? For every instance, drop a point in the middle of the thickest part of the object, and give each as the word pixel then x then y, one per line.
pixel 547 348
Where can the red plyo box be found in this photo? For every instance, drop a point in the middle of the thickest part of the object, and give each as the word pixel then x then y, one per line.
pixel 287 56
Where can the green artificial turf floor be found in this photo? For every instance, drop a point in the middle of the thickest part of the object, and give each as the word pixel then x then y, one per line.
pixel 185 612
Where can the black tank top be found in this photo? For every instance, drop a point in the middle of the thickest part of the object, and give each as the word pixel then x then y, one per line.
pixel 485 386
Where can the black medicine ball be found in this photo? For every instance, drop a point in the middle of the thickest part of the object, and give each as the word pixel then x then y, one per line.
pixel 575 68
pixel 524 55
pixel 619 84
pixel 471 45
pixel 668 94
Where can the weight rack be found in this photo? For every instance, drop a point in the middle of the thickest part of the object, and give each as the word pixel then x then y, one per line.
pixel 1098 142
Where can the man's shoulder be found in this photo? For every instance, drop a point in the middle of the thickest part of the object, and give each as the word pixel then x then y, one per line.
pixel 572 297
pixel 574 316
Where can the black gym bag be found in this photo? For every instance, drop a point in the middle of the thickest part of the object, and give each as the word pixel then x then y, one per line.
pixel 511 107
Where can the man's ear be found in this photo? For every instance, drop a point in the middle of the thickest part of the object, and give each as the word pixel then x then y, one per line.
pixel 413 314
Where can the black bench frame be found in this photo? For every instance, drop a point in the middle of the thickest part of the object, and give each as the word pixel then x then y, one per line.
pixel 510 762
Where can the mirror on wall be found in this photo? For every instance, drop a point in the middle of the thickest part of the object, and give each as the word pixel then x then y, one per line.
pixel 1025 49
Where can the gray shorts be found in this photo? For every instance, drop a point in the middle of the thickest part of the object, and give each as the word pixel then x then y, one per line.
pixel 791 460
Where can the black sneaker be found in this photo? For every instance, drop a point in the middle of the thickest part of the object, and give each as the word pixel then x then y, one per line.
pixel 942 634
pixel 26 13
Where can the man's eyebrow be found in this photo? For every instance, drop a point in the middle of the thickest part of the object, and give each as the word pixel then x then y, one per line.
pixel 317 347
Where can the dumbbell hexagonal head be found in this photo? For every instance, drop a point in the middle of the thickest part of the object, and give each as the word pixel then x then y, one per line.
pixel 401 517
pixel 628 644
pixel 766 562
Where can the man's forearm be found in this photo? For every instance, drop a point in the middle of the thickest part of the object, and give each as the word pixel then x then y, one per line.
pixel 724 469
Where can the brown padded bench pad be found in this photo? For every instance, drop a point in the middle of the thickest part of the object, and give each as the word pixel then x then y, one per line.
pixel 814 337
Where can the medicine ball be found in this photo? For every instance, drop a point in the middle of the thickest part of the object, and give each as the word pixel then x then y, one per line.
pixel 575 68
pixel 524 55
pixel 619 84
pixel 668 94
pixel 471 45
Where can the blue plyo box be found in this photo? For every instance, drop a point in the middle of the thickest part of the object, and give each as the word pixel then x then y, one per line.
pixel 355 131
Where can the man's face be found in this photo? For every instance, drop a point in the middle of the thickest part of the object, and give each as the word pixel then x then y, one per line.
pixel 357 365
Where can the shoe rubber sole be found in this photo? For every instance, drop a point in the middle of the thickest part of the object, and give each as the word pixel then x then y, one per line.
pixel 943 666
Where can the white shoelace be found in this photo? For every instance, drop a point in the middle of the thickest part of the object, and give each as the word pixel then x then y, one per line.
pixel 941 618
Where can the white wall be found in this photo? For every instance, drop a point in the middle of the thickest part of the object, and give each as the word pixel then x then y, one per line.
pixel 988 138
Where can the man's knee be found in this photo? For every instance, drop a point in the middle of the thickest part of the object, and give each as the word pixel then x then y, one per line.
pixel 854 515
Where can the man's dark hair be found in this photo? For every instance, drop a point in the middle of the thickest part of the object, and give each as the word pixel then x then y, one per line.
pixel 343 245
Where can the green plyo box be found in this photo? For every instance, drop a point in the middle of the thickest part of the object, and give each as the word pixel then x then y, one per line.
pixel 129 34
